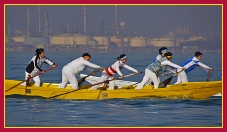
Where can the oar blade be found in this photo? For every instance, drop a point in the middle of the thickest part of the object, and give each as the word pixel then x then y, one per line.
pixel 167 81
pixel 83 78
pixel 81 81
pixel 209 74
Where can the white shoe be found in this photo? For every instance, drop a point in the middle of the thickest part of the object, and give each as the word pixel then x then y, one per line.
pixel 92 88
pixel 23 84
pixel 138 88
pixel 75 88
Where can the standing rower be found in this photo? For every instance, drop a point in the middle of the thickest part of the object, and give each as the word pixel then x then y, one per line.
pixel 34 66
pixel 113 69
pixel 155 69
pixel 190 64
pixel 70 70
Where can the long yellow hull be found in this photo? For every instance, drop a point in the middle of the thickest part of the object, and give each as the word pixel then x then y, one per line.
pixel 191 90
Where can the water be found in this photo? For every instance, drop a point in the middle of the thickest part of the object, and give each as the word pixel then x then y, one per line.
pixel 155 112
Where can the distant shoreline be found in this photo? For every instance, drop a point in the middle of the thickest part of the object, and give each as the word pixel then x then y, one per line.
pixel 89 48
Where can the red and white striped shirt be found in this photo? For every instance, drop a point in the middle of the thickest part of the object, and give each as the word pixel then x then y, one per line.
pixel 116 67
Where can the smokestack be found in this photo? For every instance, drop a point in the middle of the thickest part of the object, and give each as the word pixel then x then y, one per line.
pixel 85 28
pixel 116 21
pixel 28 25
pixel 39 17
pixel 50 26
pixel 46 29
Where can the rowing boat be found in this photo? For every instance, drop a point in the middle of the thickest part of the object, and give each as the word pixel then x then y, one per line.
pixel 191 90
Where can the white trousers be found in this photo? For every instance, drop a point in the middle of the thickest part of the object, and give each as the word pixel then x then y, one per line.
pixel 36 79
pixel 68 76
pixel 182 77
pixel 149 76
pixel 103 78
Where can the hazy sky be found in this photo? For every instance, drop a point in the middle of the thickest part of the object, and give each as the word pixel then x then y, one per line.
pixel 146 20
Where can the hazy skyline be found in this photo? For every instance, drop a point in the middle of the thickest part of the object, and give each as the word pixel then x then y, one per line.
pixel 146 20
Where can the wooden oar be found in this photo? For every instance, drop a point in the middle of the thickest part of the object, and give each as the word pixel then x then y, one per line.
pixel 27 80
pixel 209 74
pixel 168 80
pixel 81 80
pixel 105 84
pixel 92 85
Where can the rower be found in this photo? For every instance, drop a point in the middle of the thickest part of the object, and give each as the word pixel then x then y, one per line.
pixel 190 64
pixel 155 69
pixel 108 73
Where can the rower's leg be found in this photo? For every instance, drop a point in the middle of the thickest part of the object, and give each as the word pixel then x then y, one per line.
pixel 146 79
pixel 103 78
pixel 73 81
pixel 64 79
pixel 37 81
pixel 111 84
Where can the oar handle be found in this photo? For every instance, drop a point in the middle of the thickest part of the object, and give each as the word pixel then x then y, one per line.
pixel 164 74
pixel 42 73
pixel 178 72
pixel 121 77
pixel 125 76
pixel 94 72
pixel 167 81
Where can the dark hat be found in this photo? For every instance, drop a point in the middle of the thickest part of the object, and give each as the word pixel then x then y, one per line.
pixel 39 51
pixel 197 53
pixel 86 54
pixel 168 55
pixel 163 49
pixel 121 56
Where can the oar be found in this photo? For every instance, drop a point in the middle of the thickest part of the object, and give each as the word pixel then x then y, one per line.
pixel 29 78
pixel 124 76
pixel 81 80
pixel 209 74
pixel 107 81
pixel 92 85
pixel 168 80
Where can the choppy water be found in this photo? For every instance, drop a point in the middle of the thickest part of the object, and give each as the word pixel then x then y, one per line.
pixel 24 111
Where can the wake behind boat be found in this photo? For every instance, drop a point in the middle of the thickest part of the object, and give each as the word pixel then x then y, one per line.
pixel 191 90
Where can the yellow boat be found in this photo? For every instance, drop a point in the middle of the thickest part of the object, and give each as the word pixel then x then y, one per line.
pixel 190 90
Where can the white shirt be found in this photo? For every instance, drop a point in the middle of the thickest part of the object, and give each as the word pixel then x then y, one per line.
pixel 199 63
pixel 167 62
pixel 116 66
pixel 79 64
